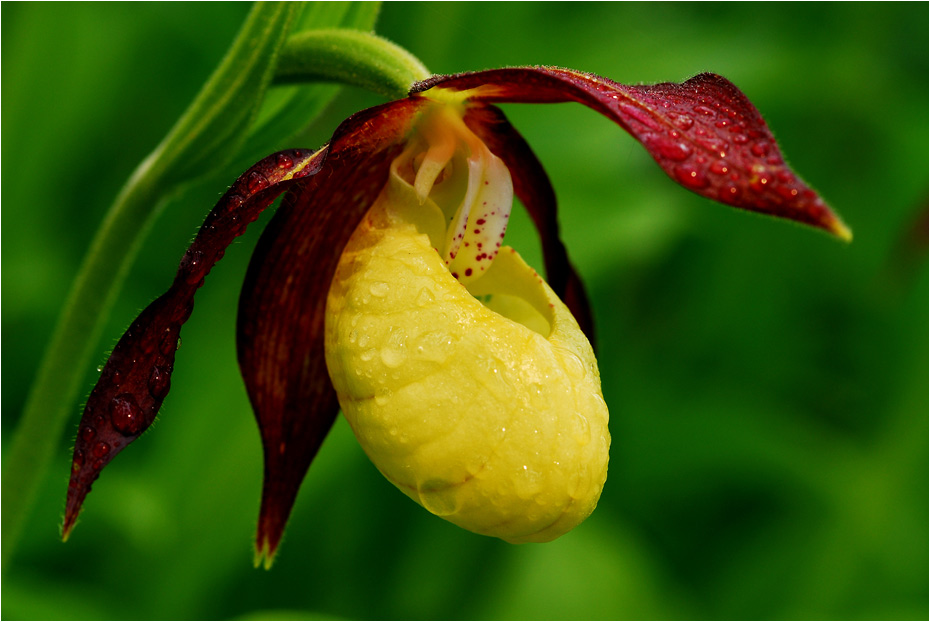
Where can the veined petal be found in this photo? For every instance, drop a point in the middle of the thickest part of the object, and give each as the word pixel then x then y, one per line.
pixel 704 133
pixel 281 308
pixel 137 376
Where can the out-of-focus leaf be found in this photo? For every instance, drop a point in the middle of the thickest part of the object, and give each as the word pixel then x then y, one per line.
pixel 288 109
pixel 207 134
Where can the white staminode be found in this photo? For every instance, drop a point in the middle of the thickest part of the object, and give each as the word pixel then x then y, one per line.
pixel 471 185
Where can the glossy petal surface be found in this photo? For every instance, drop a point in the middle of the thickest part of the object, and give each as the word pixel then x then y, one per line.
pixel 704 133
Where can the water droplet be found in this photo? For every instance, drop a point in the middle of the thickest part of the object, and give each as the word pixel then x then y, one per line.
pixel 364 340
pixel 690 177
pixel 256 182
pixel 126 415
pixel 425 297
pixel 760 148
pixel 682 121
pixel 719 167
pixel 101 449
pixel 740 139
pixel 99 368
pixel 379 289
pixel 159 382
pixel 88 433
pixel 664 148
pixel 439 497
pixel 283 161
pixel 367 355
pixel 705 110
pixel 393 357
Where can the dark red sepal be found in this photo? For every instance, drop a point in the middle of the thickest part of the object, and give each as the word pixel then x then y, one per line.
pixel 283 302
pixel 531 185
pixel 137 376
pixel 704 133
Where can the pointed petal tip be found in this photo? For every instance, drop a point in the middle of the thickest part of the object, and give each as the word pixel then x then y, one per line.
pixel 840 230
pixel 265 551
pixel 67 527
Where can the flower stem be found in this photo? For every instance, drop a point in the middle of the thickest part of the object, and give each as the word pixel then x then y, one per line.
pixel 349 57
pixel 210 131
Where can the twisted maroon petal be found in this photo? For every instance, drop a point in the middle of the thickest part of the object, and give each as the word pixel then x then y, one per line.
pixel 283 302
pixel 704 133
pixel 531 185
pixel 137 376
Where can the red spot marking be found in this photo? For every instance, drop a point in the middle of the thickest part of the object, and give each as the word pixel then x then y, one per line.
pixel 467 271
pixel 455 275
pixel 480 221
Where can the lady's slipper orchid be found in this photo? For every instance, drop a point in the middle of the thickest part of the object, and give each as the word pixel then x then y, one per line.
pixel 381 285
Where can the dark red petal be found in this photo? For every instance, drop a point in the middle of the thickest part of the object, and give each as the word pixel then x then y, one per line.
pixel 137 377
pixel 704 133
pixel 532 187
pixel 281 309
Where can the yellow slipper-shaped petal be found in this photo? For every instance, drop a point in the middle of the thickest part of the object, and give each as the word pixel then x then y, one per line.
pixel 481 404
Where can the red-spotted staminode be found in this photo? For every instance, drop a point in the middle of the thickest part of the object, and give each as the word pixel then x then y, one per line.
pixel 436 173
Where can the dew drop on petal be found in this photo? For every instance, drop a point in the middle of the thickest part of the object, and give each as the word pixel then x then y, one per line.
pixel 88 433
pixel 760 148
pixel 125 416
pixel 284 161
pixel 690 177
pixel 101 449
pixel 256 182
pixel 159 382
pixel 682 121
pixel 667 148
pixel 719 167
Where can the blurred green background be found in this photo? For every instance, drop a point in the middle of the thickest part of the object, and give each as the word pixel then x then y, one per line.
pixel 767 384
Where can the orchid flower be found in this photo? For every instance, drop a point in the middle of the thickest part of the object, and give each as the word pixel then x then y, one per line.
pixel 382 286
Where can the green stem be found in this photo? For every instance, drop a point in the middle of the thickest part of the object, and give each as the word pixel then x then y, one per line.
pixel 349 57
pixel 223 108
